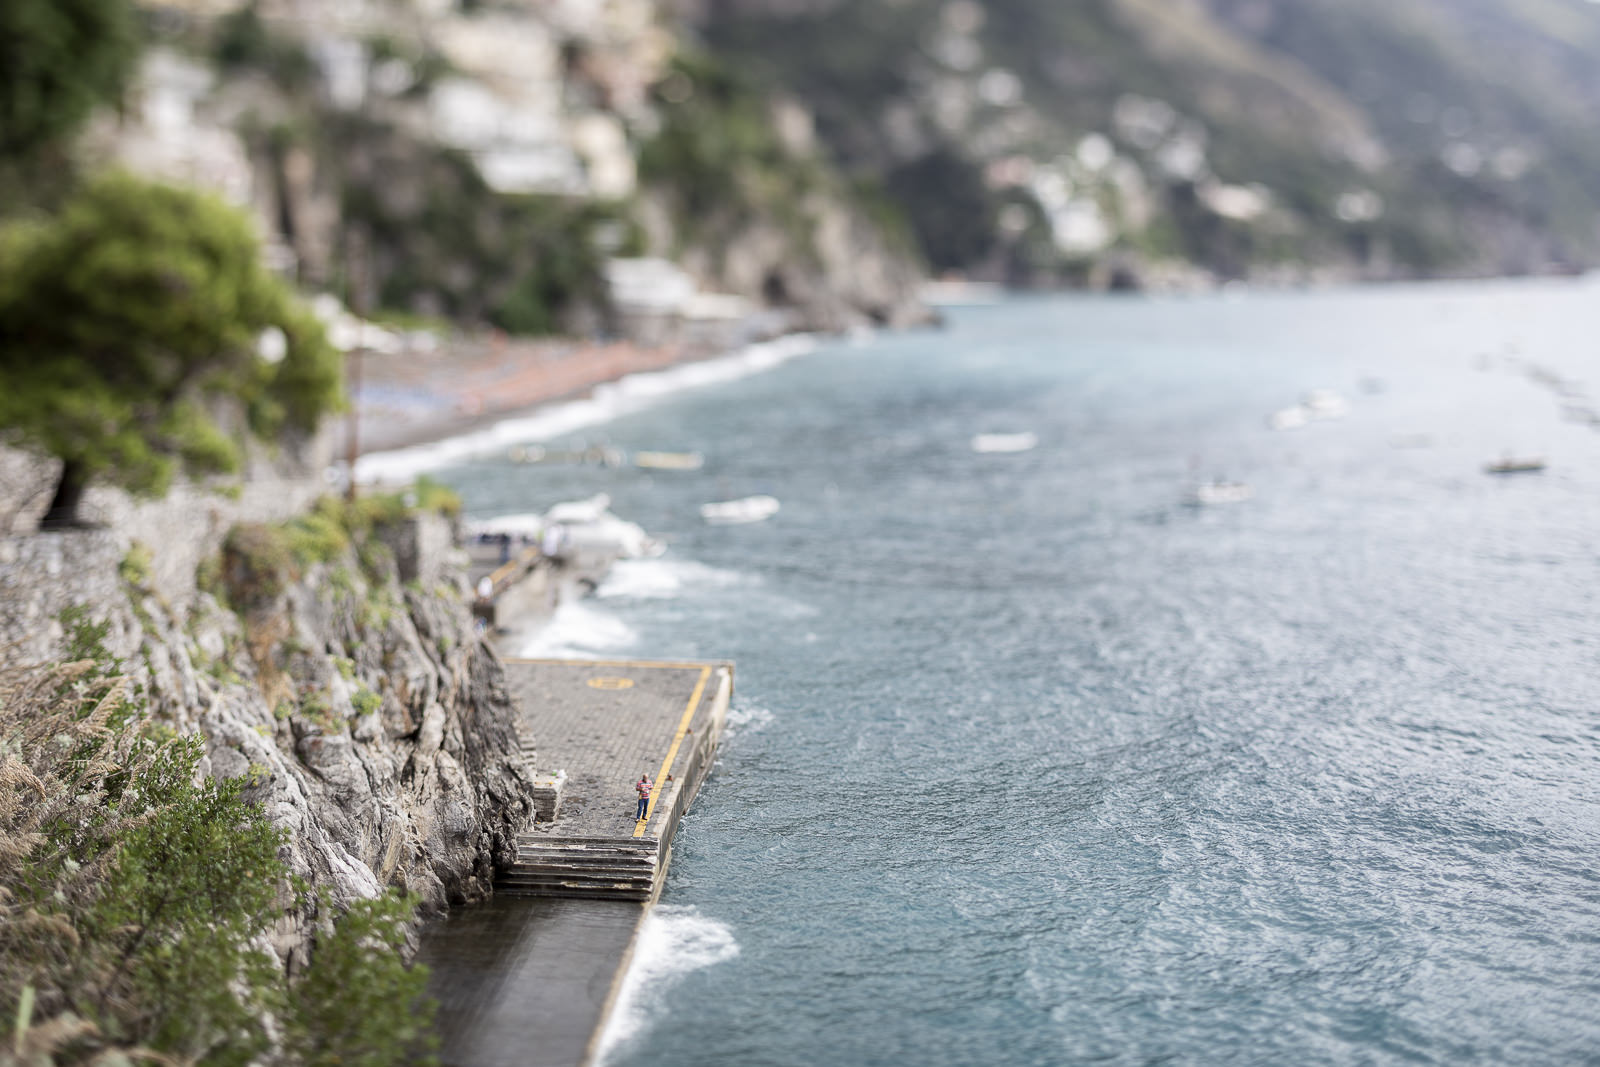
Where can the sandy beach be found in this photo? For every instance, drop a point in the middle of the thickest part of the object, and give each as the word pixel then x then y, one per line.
pixel 415 397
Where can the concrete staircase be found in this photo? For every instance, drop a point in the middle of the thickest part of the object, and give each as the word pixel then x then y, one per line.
pixel 586 867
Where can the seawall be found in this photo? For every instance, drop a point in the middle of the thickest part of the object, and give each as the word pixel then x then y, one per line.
pixel 530 979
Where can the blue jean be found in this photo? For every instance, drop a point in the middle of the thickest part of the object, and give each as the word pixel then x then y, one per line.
pixel 644 804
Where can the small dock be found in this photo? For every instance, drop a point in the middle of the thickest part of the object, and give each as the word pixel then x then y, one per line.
pixel 519 581
pixel 596 726
pixel 529 979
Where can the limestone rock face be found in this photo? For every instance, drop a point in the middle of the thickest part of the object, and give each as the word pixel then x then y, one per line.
pixel 372 723
pixel 848 277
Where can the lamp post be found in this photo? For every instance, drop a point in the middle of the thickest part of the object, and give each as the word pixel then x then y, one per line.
pixel 356 255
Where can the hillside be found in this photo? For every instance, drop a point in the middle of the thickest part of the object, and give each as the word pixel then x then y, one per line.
pixel 1126 140
pixel 480 163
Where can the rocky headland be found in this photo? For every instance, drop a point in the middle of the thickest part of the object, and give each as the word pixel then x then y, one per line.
pixel 343 682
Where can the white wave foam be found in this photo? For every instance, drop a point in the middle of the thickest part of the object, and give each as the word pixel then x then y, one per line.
pixel 624 396
pixel 743 718
pixel 673 941
pixel 663 579
pixel 578 630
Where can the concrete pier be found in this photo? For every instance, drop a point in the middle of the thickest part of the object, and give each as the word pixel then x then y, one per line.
pixel 522 585
pixel 596 727
pixel 528 979
pixel 527 983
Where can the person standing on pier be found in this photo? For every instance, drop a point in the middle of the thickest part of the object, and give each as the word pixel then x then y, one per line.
pixel 642 787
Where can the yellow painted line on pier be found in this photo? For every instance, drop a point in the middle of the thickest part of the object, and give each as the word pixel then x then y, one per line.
pixel 677 740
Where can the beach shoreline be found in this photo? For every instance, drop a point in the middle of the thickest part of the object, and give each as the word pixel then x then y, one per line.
pixel 418 397
pixel 441 409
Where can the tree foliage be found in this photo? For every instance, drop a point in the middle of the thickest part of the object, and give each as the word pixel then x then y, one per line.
pixel 359 1005
pixel 58 60
pixel 135 896
pixel 131 320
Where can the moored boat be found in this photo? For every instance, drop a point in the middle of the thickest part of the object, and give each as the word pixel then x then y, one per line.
pixel 1515 465
pixel 669 461
pixel 736 512
pixel 1219 492
pixel 1004 442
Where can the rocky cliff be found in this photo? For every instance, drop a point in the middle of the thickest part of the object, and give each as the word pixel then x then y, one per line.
pixel 367 717
pixel 480 162
pixel 1033 140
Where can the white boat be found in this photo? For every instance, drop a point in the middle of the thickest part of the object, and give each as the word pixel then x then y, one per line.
pixel 525 525
pixel 610 536
pixel 1325 404
pixel 1219 492
pixel 1289 418
pixel 575 512
pixel 1319 404
pixel 669 461
pixel 736 512
pixel 1509 464
pixel 1004 442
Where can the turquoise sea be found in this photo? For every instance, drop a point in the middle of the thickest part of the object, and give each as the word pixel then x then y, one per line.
pixel 1032 763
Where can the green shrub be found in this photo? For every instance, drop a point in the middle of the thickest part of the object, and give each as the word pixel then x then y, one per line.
pixel 424 495
pixel 134 894
pixel 366 701
pixel 320 536
pixel 130 894
pixel 256 563
pixel 317 709
pixel 359 1005
pixel 135 566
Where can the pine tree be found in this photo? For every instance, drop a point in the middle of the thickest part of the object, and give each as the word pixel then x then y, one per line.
pixel 131 330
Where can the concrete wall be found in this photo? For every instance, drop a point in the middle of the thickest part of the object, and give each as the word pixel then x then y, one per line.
pixel 180 529
pixel 422 547
pixel 43 574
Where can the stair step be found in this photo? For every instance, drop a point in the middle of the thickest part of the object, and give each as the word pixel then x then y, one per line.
pixel 580 854
pixel 525 863
pixel 554 877
pixel 568 871
pixel 630 844
pixel 580 894
pixel 647 859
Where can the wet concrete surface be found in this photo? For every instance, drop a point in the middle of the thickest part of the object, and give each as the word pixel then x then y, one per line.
pixel 605 723
pixel 525 982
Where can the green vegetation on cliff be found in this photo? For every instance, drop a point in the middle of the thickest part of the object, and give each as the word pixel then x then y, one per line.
pixel 757 205
pixel 134 895
pixel 443 243
pixel 59 59
pixel 717 157
pixel 1382 138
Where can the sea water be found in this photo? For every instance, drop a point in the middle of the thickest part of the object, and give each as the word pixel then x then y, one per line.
pixel 1030 762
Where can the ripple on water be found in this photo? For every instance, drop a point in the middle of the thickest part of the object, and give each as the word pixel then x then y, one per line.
pixel 1309 779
